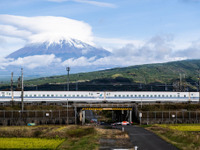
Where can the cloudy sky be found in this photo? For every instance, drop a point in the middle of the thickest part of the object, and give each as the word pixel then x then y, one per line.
pixel 135 31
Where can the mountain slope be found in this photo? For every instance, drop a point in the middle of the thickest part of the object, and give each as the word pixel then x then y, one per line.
pixel 150 73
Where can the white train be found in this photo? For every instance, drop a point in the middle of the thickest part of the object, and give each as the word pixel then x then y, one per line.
pixel 99 96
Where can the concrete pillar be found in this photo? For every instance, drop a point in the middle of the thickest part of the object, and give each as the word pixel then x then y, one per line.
pixel 130 116
pixel 112 115
pixel 75 109
pixel 83 117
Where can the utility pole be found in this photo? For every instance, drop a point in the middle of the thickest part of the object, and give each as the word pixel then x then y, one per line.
pixel 22 90
pixel 11 86
pixel 76 85
pixel 68 69
pixel 199 85
pixel 67 113
pixel 180 84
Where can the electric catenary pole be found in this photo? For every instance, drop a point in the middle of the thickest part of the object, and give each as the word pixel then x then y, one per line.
pixel 68 69
pixel 11 86
pixel 22 90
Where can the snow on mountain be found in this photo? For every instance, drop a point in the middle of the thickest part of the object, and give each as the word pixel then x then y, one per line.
pixel 63 49
pixel 52 58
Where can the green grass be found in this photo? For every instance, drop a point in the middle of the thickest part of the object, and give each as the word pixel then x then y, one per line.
pixel 89 142
pixel 29 143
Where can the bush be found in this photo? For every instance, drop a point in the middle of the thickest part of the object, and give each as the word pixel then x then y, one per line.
pixel 37 133
pixel 80 132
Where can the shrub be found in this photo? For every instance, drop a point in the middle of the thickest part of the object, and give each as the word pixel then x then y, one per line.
pixel 80 132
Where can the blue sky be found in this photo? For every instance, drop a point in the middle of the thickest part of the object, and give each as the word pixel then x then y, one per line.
pixel 164 30
pixel 126 19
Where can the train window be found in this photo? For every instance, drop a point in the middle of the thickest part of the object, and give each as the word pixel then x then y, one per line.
pixel 147 95
pixel 174 95
pixel 65 95
pixel 61 95
pixel 86 95
pixel 77 95
pixel 73 96
pixel 69 95
pixel 34 95
pixel 127 95
pixel 155 95
pixel 52 95
pixel 47 95
pixel 166 95
pixel 143 96
pixel 158 95
pixel 43 95
pixel 131 95
pixel 178 95
pixel 170 95
pixel 151 95
pixel 123 95
pixel 119 95
pixel 135 95
pixel 26 95
pixel 91 93
pixel 81 95
pixel 184 95
pixel 30 95
pixel 163 95
pixel 139 95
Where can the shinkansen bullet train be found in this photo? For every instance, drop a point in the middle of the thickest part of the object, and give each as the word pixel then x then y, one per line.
pixel 95 96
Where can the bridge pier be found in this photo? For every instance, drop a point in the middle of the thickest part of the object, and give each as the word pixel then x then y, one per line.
pixel 75 113
pixel 130 116
pixel 83 117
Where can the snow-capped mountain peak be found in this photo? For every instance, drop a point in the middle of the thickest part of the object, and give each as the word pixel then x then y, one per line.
pixel 63 48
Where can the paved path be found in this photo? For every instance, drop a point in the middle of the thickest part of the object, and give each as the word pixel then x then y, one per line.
pixel 146 140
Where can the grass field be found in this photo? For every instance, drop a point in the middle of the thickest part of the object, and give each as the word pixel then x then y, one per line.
pixel 70 137
pixel 183 127
pixel 29 143
pixel 183 136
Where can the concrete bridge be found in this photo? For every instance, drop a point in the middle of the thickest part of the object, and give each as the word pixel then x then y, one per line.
pixel 80 109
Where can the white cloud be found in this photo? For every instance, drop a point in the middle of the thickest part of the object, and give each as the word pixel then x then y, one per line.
pixel 13 31
pixel 10 44
pixel 91 2
pixel 30 62
pixel 156 50
pixel 45 28
pixel 81 61
pixel 115 43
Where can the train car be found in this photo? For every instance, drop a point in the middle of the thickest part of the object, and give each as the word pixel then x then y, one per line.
pixel 99 96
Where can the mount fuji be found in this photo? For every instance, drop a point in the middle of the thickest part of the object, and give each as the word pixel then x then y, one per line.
pixel 61 51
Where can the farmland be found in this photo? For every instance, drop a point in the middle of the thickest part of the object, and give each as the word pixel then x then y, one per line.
pixel 31 143
pixel 183 136
pixel 70 137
